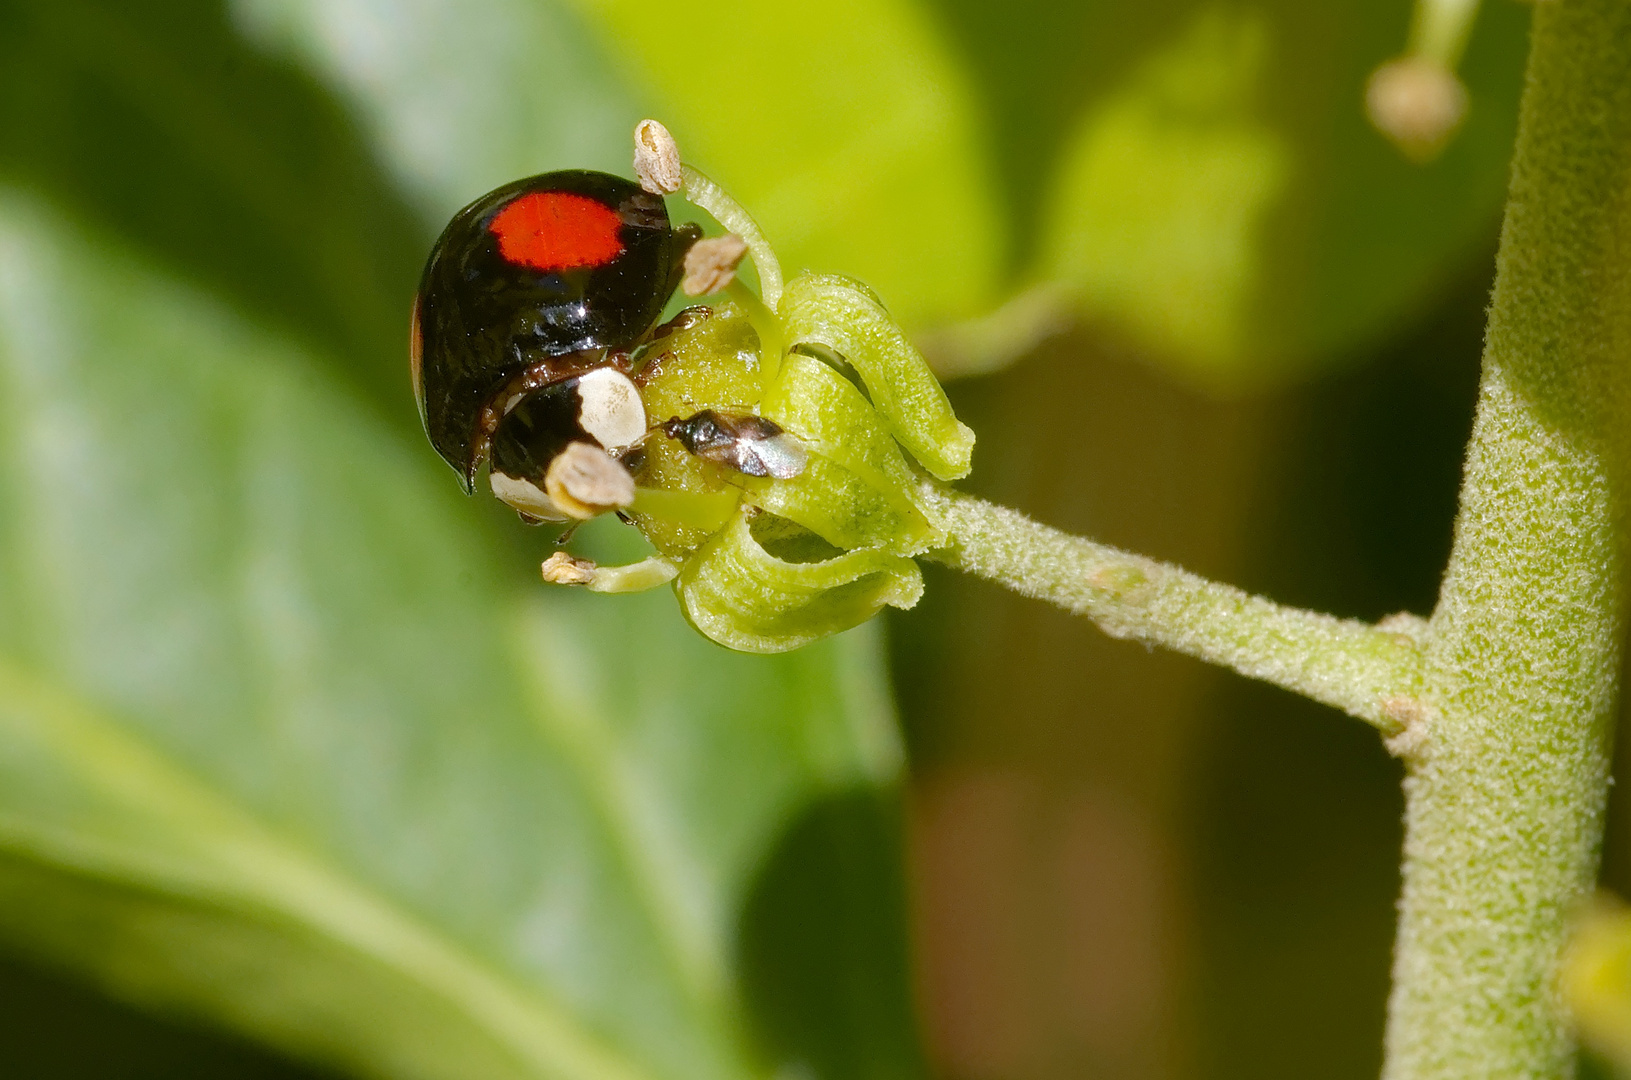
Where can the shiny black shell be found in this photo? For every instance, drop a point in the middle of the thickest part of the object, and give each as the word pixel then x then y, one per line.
pixel 590 267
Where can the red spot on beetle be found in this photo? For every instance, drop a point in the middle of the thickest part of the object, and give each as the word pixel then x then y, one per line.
pixel 557 230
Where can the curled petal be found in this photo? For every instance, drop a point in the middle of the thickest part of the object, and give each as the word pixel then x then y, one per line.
pixel 857 490
pixel 845 316
pixel 742 596
pixel 779 482
pixel 845 511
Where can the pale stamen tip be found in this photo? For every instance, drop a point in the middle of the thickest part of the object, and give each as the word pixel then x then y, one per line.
pixel 583 481
pixel 657 158
pixel 563 569
pixel 1417 103
pixel 711 264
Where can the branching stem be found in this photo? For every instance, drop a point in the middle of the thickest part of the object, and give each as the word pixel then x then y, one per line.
pixel 1504 812
pixel 1503 702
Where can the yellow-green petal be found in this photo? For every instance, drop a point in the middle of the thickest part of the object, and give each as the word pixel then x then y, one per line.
pixel 745 598
pixel 845 316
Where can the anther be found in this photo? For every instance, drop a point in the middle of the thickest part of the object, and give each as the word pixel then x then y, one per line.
pixel 711 264
pixel 1416 102
pixel 657 159
pixel 563 569
pixel 584 482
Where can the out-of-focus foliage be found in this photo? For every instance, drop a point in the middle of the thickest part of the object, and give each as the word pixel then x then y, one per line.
pixel 1597 981
pixel 1204 174
pixel 1199 174
pixel 279 746
pixel 156 122
pixel 863 159
pixel 1163 188
pixel 848 128
pixel 291 737
pixel 457 98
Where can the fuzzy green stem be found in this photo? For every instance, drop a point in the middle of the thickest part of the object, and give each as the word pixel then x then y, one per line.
pixel 1506 791
pixel 993 341
pixel 1367 672
pixel 1439 29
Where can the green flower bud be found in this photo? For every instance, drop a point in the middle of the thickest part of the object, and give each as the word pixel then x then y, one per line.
pixel 781 482
pixel 768 563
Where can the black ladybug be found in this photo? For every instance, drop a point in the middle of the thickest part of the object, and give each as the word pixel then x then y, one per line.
pixel 525 312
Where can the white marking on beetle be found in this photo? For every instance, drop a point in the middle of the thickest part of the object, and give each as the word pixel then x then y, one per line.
pixel 610 409
pixel 526 497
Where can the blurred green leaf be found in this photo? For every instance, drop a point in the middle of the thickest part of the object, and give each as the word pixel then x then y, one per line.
pixel 1164 192
pixel 459 98
pixel 1596 981
pixel 1205 177
pixel 278 747
pixel 847 128
pixel 156 121
pixel 234 169
pixel 1202 174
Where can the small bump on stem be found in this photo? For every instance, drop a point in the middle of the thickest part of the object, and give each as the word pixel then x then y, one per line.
pixel 1414 718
